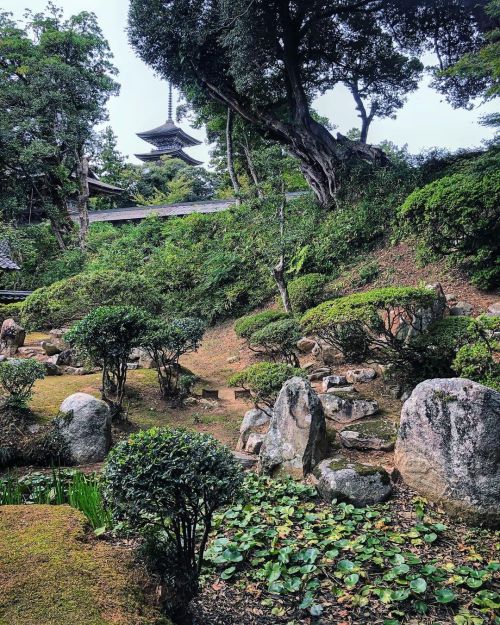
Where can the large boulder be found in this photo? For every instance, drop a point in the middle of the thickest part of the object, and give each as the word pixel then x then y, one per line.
pixel 347 407
pixel 297 439
pixel 12 336
pixel 447 448
pixel 358 484
pixel 85 428
pixel 253 421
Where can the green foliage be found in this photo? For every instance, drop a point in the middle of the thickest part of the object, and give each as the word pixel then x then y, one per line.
pixel 476 362
pixel 68 300
pixel 166 341
pixel 62 486
pixel 459 216
pixel 10 311
pixel 246 326
pixel 264 380
pixel 363 324
pixel 367 274
pixel 168 484
pixel 307 291
pixel 17 377
pixel 278 339
pixel 303 555
pixel 106 336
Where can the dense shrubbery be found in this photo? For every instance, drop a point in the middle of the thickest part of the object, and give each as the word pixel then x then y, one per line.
pixel 246 326
pixel 10 311
pixel 373 324
pixel 166 342
pixel 167 484
pixel 278 340
pixel 17 378
pixel 69 300
pixel 307 291
pixel 458 215
pixel 106 336
pixel 264 381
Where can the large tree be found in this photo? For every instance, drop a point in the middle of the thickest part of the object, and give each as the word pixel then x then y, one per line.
pixel 268 59
pixel 56 76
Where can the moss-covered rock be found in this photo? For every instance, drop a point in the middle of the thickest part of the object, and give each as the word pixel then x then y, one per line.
pixel 376 434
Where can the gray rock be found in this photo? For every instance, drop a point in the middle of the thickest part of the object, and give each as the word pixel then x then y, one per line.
pixel 423 318
pixel 253 421
pixel 57 337
pixel 254 443
pixel 85 428
pixel 69 358
pixel 51 369
pixel 447 448
pixel 142 357
pixel 461 309
pixel 306 345
pixel 74 371
pixel 318 374
pixel 333 381
pixel 12 336
pixel 132 366
pixel 51 349
pixel 246 461
pixel 358 484
pixel 345 408
pixel 451 297
pixel 494 310
pixel 297 439
pixel 379 435
pixel 354 376
pixel 342 389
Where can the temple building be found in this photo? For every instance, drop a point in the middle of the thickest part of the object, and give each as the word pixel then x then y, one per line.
pixel 168 140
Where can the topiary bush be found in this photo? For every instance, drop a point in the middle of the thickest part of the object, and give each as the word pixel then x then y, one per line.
pixel 307 291
pixel 264 381
pixel 278 340
pixel 247 325
pixel 68 300
pixel 10 311
pixel 476 362
pixel 373 324
pixel 459 216
pixel 17 378
pixel 166 342
pixel 167 484
pixel 106 336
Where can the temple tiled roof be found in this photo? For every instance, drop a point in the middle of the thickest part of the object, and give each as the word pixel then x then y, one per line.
pixel 155 155
pixel 6 262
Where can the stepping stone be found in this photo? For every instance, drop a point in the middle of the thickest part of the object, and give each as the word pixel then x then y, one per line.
pixel 358 484
pixel 342 389
pixel 347 407
pixel 379 435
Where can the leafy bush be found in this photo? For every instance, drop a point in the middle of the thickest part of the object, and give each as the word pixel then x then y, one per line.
pixel 307 291
pixel 68 300
pixel 459 216
pixel 166 342
pixel 264 380
pixel 10 311
pixel 246 326
pixel 367 274
pixel 374 324
pixel 106 336
pixel 279 339
pixel 17 377
pixel 475 361
pixel 169 483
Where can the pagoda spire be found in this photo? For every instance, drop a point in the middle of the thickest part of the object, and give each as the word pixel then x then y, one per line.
pixel 170 102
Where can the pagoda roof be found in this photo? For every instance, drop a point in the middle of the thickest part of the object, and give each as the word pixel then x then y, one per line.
pixel 169 130
pixel 155 155
pixel 6 261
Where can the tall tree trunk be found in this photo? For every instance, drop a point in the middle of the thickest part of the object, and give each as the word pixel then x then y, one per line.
pixel 230 158
pixel 252 170
pixel 82 173
pixel 279 269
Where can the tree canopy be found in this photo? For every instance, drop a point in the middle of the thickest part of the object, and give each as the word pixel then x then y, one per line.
pixel 268 59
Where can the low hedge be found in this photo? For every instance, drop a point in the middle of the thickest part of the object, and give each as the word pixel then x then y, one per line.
pixel 69 300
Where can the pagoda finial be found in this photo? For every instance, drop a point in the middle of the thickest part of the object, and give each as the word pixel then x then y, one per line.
pixel 170 102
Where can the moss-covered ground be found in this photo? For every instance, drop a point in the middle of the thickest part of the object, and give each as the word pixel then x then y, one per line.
pixel 52 573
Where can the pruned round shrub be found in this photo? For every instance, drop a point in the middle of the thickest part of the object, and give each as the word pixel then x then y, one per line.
pixel 373 324
pixel 279 339
pixel 307 291
pixel 246 326
pixel 168 483
pixel 459 215
pixel 17 378
pixel 264 380
pixel 476 362
pixel 106 336
pixel 166 341
pixel 69 300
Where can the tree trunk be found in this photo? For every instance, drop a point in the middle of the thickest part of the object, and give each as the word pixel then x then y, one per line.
pixel 253 171
pixel 230 158
pixel 82 173
pixel 279 269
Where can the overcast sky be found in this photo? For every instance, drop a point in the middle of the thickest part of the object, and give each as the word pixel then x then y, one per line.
pixel 425 121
